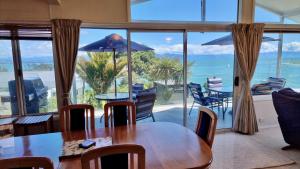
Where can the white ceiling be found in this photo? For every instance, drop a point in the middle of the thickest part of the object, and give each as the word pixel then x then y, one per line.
pixel 287 8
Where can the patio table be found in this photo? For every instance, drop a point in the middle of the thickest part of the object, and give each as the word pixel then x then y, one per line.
pixel 225 93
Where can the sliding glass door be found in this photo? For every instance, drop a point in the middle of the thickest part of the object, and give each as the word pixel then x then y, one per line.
pixel 159 67
pixel 210 65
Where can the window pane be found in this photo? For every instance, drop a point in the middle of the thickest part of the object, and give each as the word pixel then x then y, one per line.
pixel 210 66
pixel 39 76
pixel 225 11
pixel 8 96
pixel 183 10
pixel 168 10
pixel 161 68
pixel 270 11
pixel 95 73
pixel 288 64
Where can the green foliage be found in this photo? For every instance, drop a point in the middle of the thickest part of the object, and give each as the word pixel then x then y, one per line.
pixel 164 93
pixel 142 62
pixel 98 70
pixel 166 69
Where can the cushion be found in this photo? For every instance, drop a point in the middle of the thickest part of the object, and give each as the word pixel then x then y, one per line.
pixel 289 92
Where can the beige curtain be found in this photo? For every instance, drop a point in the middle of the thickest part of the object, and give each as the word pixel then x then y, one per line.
pixel 247 40
pixel 65 38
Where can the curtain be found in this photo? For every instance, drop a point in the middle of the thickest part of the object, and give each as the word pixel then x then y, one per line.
pixel 66 38
pixel 247 40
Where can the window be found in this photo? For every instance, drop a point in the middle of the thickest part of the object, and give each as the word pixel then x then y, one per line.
pixel 281 12
pixel 27 68
pixel 280 60
pixel 184 10
pixel 7 74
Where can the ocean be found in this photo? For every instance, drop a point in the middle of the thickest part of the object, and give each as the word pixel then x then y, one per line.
pixel 204 66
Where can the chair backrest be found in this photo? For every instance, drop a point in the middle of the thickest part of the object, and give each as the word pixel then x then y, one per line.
pixel 144 104
pixel 196 91
pixel 137 87
pixel 276 83
pixel 206 125
pixel 26 162
pixel 77 117
pixel 106 151
pixel 214 82
pixel 119 113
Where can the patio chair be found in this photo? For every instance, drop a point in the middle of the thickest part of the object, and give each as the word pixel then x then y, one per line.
pixel 144 103
pixel 137 87
pixel 287 106
pixel 198 96
pixel 272 84
pixel 114 156
pixel 77 117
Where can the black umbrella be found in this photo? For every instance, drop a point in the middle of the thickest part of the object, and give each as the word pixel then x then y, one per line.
pixel 113 43
pixel 227 40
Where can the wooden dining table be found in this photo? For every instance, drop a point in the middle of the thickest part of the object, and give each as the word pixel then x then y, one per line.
pixel 167 145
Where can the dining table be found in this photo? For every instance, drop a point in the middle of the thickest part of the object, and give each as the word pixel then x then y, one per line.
pixel 168 145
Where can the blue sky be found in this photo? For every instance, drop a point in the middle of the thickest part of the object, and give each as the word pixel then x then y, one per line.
pixel 171 10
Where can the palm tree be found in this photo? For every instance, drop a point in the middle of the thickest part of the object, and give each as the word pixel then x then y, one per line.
pixel 98 70
pixel 167 69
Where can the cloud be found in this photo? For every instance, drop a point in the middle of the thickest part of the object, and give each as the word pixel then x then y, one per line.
pixel 168 39
pixel 194 49
pixel 198 49
pixel 293 46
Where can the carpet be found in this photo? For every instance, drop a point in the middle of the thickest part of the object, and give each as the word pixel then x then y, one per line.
pixel 237 151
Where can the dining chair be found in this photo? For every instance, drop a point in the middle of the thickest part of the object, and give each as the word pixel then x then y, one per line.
pixel 119 113
pixel 77 117
pixel 112 151
pixel 206 125
pixel 26 162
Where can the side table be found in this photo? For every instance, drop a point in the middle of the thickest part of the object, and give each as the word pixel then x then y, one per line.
pixel 44 123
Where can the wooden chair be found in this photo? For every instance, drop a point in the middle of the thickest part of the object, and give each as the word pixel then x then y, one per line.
pixel 26 162
pixel 206 125
pixel 111 109
pixel 77 117
pixel 107 151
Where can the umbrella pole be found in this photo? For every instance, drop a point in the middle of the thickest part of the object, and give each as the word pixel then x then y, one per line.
pixel 115 68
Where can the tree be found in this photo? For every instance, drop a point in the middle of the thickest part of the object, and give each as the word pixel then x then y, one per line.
pixel 98 70
pixel 167 69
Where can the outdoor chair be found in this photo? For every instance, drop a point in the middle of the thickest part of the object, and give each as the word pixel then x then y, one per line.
pixel 198 96
pixel 206 125
pixel 26 163
pixel 119 113
pixel 272 84
pixel 214 82
pixel 144 103
pixel 115 156
pixel 287 106
pixel 137 87
pixel 77 117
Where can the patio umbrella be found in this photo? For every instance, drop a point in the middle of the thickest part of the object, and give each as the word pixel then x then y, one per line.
pixel 113 43
pixel 227 40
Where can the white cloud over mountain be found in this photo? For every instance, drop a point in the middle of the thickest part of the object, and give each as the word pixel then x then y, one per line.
pixel 198 49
